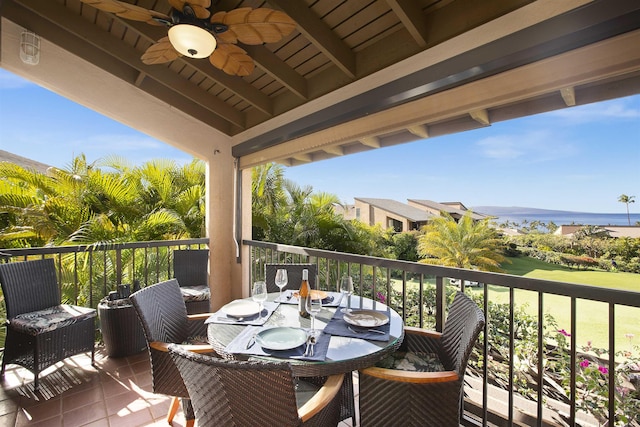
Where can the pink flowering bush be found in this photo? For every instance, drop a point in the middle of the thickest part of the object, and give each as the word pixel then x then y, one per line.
pixel 592 379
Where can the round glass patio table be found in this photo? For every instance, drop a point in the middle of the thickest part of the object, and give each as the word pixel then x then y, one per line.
pixel 345 354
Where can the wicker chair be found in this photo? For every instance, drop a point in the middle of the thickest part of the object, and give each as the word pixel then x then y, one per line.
pixel 190 268
pixel 40 330
pixel 410 398
pixel 164 318
pixel 294 275
pixel 231 393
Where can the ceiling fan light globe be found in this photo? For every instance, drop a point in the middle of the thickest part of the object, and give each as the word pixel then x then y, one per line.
pixel 192 41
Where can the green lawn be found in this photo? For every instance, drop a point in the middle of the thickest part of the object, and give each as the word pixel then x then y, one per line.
pixel 592 316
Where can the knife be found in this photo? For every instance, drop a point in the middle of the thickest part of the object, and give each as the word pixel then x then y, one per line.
pixel 251 342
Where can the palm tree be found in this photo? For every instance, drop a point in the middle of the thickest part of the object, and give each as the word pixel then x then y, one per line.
pixel 463 244
pixel 626 200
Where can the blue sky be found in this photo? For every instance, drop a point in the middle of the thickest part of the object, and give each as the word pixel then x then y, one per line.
pixel 576 159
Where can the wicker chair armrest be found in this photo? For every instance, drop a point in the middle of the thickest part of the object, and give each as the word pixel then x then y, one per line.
pixel 198 317
pixel 422 332
pixel 410 376
pixel 164 347
pixel 322 397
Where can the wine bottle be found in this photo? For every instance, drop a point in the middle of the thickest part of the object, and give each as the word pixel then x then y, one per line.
pixel 303 294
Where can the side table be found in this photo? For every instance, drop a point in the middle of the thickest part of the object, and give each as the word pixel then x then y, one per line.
pixel 121 329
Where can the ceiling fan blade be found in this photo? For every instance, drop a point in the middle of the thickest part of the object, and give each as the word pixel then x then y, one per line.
pixel 232 60
pixel 200 7
pixel 254 26
pixel 160 52
pixel 127 11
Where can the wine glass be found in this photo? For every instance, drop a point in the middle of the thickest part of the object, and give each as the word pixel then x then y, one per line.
pixel 259 294
pixel 314 306
pixel 346 287
pixel 281 280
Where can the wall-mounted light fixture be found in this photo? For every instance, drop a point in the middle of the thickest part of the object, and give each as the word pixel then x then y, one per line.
pixel 29 47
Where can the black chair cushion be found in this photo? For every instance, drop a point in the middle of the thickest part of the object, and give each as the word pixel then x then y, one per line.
pixel 195 293
pixel 50 319
pixel 410 361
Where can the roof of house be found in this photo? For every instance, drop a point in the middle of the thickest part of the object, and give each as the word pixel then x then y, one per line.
pixel 446 207
pixel 26 163
pixel 398 208
pixel 632 231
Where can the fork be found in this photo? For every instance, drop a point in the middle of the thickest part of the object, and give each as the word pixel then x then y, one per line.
pixel 366 330
pixel 312 340
pixel 306 350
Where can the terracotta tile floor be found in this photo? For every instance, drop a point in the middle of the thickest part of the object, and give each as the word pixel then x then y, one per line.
pixel 117 392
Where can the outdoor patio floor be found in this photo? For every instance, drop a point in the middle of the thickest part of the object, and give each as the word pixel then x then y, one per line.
pixel 117 392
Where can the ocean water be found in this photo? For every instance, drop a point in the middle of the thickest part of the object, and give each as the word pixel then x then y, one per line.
pixel 579 218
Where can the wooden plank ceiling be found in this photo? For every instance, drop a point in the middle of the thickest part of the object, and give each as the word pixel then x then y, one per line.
pixel 336 43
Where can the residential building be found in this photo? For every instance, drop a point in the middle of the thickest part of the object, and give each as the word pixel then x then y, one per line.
pixel 391 214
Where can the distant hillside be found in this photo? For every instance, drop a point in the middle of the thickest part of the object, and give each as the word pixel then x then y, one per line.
pixel 516 210
pixel 26 163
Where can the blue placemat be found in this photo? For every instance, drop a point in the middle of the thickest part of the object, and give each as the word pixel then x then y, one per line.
pixel 239 346
pixel 256 320
pixel 337 326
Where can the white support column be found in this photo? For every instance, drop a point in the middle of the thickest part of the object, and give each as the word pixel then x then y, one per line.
pixel 222 259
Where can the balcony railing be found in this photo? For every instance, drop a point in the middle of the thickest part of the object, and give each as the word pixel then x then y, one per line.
pixel 419 292
pixel 86 273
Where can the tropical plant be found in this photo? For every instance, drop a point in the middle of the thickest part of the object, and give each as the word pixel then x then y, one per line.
pixel 106 202
pixel 464 244
pixel 623 198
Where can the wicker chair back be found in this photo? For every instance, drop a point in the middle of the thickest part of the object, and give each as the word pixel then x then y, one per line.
pixel 461 329
pixel 163 315
pixel 190 266
pixel 294 275
pixel 29 286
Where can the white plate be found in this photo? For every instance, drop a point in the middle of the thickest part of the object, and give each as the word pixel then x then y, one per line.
pixel 281 338
pixel 366 318
pixel 241 308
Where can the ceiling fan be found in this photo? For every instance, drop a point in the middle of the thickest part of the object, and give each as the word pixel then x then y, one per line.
pixel 197 33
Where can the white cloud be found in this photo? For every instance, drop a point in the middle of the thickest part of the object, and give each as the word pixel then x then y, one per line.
pixel 535 146
pixel 624 108
pixel 118 143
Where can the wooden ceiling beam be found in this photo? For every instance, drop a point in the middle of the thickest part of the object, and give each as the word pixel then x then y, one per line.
pixel 588 65
pixel 303 157
pixel 85 38
pixel 412 17
pixel 278 69
pixel 370 141
pixel 335 150
pixel 421 131
pixel 569 96
pixel 480 116
pixel 317 32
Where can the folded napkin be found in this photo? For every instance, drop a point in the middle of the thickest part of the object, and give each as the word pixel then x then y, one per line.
pixel 337 326
pixel 239 346
pixel 257 320
pixel 333 299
